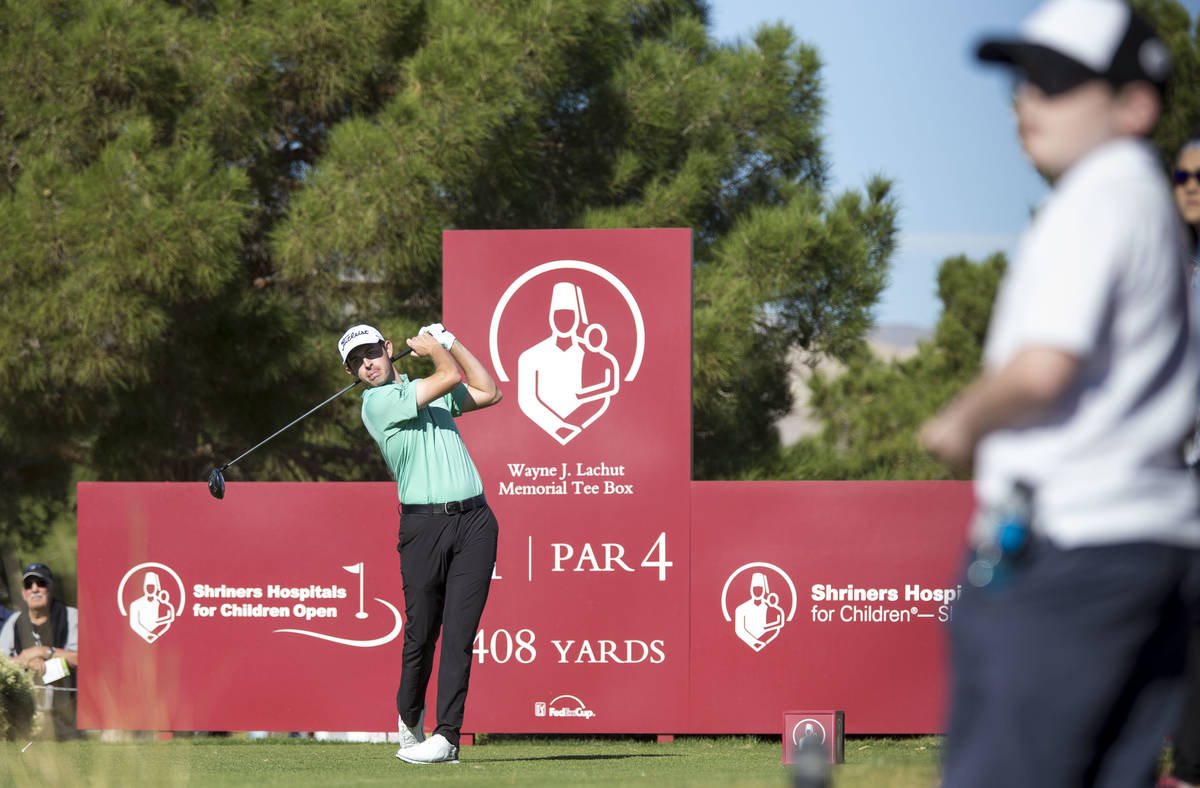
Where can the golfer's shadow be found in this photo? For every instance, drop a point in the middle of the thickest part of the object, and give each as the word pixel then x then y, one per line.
pixel 581 757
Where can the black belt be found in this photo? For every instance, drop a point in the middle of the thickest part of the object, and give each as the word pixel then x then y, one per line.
pixel 450 507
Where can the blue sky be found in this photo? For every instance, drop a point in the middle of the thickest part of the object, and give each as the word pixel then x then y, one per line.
pixel 905 98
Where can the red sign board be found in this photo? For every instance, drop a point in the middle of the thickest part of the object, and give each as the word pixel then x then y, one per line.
pixel 625 598
pixel 278 608
pixel 587 464
pixel 823 595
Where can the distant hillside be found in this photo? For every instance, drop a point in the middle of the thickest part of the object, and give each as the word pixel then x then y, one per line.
pixel 891 343
pixel 900 336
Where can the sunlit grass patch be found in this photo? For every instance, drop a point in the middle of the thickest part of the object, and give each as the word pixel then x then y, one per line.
pixel 497 760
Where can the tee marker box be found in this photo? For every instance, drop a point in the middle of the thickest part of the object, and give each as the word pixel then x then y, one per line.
pixel 824 726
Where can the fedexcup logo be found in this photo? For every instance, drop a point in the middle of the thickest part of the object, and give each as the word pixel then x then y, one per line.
pixel 152 607
pixel 577 334
pixel 763 599
pixel 563 706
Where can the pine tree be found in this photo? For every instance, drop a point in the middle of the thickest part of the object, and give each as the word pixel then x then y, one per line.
pixel 871 410
pixel 199 196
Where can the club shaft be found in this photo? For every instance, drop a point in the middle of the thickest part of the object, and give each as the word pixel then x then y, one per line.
pixel 291 424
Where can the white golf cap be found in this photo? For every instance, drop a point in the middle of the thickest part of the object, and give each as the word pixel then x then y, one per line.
pixel 1065 43
pixel 361 334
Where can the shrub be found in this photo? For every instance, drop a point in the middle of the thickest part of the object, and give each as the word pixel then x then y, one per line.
pixel 16 701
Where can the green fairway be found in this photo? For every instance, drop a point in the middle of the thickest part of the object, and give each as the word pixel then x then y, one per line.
pixel 503 760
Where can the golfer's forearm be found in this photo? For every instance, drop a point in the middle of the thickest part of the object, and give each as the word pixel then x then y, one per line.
pixel 445 371
pixel 444 379
pixel 483 388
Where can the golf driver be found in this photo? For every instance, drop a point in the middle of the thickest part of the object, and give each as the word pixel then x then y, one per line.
pixel 216 481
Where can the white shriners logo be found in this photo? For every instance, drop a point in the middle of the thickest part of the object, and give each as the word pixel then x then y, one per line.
pixel 152 612
pixel 563 706
pixel 152 596
pixel 805 728
pixel 759 612
pixel 571 361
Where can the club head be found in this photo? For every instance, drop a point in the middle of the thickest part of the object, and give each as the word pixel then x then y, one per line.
pixel 216 484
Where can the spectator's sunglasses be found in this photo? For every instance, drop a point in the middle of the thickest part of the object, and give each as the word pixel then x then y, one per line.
pixel 31 581
pixel 1183 176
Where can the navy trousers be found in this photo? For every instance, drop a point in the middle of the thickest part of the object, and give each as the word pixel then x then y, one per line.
pixel 1071 674
pixel 1186 738
pixel 446 563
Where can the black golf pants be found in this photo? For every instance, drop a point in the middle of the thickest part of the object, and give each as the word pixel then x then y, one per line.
pixel 446 563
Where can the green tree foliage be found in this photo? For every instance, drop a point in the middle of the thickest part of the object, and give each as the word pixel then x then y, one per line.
pixel 199 196
pixel 872 409
pixel 787 258
pixel 1181 116
pixel 624 115
pixel 147 150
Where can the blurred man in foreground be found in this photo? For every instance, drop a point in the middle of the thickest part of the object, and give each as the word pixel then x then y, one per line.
pixel 1068 642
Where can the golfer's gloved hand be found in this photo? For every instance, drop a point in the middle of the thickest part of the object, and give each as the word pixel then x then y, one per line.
pixel 439 332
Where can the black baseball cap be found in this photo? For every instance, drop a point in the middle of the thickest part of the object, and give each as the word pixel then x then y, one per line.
pixel 1065 43
pixel 37 570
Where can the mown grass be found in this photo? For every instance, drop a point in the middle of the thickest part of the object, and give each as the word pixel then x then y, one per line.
pixel 901 762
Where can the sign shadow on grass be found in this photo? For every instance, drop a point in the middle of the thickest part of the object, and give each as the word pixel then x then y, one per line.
pixel 581 757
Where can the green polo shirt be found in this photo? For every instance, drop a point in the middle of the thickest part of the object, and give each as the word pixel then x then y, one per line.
pixel 421 446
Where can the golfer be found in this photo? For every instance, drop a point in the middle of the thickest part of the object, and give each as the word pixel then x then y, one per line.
pixel 447 539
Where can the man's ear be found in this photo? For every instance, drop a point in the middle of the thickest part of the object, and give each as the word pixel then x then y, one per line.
pixel 387 348
pixel 1139 107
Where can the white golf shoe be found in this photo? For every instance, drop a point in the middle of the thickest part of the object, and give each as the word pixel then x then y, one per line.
pixel 435 749
pixel 411 737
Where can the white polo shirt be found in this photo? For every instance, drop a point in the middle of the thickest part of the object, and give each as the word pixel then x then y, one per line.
pixel 1101 274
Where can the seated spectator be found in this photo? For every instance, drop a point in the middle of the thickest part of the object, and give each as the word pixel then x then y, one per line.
pixel 40 640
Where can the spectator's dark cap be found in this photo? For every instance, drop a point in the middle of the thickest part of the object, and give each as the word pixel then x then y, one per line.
pixel 37 570
pixel 1065 43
